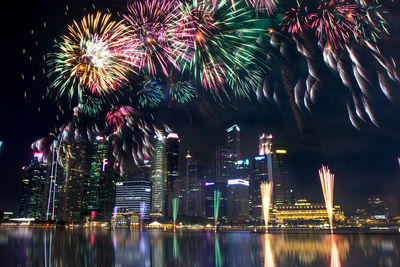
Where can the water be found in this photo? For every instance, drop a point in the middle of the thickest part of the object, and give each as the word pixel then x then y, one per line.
pixel 80 247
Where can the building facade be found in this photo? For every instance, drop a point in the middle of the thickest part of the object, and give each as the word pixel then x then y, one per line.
pixel 159 176
pixel 237 201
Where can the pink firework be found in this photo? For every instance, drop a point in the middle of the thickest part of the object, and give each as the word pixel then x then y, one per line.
pixel 116 116
pixel 334 22
pixel 296 19
pixel 155 31
pixel 263 5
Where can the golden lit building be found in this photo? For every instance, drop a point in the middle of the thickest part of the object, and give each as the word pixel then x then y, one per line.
pixel 304 211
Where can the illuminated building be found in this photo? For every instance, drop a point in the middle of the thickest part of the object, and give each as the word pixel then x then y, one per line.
pixel 209 188
pixel 74 176
pixel 242 169
pixel 194 188
pixel 159 176
pixel 122 217
pixel 304 211
pixel 280 176
pixel 99 184
pixel 33 195
pixel 172 150
pixel 233 139
pixel 225 164
pixel 133 195
pixel 237 200
pixel 259 173
pixel 376 208
pixel 390 206
pixel 264 144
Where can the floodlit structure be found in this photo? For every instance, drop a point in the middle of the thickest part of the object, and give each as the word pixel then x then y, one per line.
pixel 266 194
pixel 327 181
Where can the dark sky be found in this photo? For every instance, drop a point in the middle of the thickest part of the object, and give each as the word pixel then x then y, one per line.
pixel 364 161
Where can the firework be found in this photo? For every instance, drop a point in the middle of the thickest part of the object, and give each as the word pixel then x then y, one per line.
pixel 91 57
pixel 334 22
pixel 182 92
pixel 116 116
pixel 153 27
pixel 327 181
pixel 296 19
pixel 217 201
pixel 90 105
pixel 263 5
pixel 151 93
pixel 266 194
pixel 220 40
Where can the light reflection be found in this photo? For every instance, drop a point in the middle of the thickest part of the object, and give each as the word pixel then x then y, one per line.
pixel 218 256
pixel 335 258
pixel 269 260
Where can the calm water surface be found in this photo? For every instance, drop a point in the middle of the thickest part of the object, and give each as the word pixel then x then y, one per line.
pixel 49 247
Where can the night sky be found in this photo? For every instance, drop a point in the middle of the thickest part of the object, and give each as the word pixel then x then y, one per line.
pixel 364 161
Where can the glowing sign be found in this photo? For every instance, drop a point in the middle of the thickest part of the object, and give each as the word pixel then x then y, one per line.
pixel 259 158
pixel 147 190
pixel 208 183
pixel 241 162
pixel 38 155
pixel 99 138
pixel 119 183
pixel 238 181
pixel 280 151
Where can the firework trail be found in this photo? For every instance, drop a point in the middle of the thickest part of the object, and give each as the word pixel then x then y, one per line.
pixel 116 117
pixel 92 57
pixel 266 195
pixel 155 32
pixel 217 202
pixel 175 206
pixel 327 182
pixel 151 93
pixel 182 92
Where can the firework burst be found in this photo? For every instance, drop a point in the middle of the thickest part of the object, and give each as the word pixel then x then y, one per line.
pixel 220 39
pixel 116 117
pixel 90 104
pixel 327 181
pixel 153 24
pixel 182 92
pixel 151 93
pixel 92 57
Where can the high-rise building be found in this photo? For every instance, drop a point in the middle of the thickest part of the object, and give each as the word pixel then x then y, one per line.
pixel 237 200
pixel 99 184
pixel 280 176
pixel 390 205
pixel 33 195
pixel 376 208
pixel 209 188
pixel 225 164
pixel 264 144
pixel 159 176
pixel 75 170
pixel 242 169
pixel 172 150
pixel 233 139
pixel 194 188
pixel 134 196
pixel 259 173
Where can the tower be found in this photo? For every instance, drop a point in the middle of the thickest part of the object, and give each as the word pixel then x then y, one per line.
pixel 159 175
pixel 280 175
pixel 172 151
pixel 233 139
pixel 194 187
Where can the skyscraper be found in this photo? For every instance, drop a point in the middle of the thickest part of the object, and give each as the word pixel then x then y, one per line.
pixel 75 170
pixel 159 176
pixel 280 176
pixel 237 200
pixel 259 173
pixel 172 150
pixel 33 195
pixel 233 139
pixel 194 187
pixel 134 196
pixel 225 164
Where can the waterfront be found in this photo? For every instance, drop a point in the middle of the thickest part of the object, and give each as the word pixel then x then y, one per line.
pixel 26 246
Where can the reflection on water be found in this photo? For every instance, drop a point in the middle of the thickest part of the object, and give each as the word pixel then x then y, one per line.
pixel 84 247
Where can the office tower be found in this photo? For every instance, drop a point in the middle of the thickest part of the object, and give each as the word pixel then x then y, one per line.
pixel 172 150
pixel 390 205
pixel 209 188
pixel 33 193
pixel 75 169
pixel 159 176
pixel 225 164
pixel 180 193
pixel 233 139
pixel 376 208
pixel 194 187
pixel 134 196
pixel 242 169
pixel 237 200
pixel 264 144
pixel 280 176
pixel 259 173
